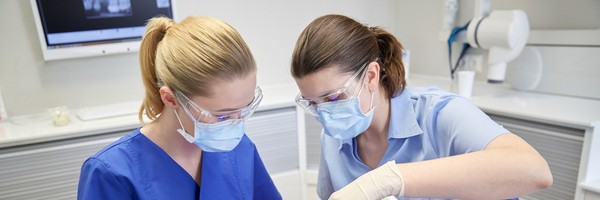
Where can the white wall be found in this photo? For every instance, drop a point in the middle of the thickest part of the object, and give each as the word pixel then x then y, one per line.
pixel 271 27
pixel 30 85
pixel 418 27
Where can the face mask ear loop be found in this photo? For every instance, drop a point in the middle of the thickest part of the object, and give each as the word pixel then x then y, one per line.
pixel 179 120
pixel 160 84
pixel 362 85
pixel 372 97
pixel 373 93
pixel 182 131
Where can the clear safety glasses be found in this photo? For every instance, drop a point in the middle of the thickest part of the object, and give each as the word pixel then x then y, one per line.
pixel 350 89
pixel 225 118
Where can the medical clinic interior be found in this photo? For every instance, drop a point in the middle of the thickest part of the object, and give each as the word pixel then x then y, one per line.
pixel 73 87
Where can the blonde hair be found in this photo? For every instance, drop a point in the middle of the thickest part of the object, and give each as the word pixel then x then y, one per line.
pixel 188 57
pixel 339 40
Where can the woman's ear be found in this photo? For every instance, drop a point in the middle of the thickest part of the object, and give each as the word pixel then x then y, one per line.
pixel 373 76
pixel 168 97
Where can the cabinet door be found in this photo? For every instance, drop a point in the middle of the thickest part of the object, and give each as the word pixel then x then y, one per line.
pixel 313 142
pixel 47 170
pixel 275 134
pixel 560 146
pixel 589 195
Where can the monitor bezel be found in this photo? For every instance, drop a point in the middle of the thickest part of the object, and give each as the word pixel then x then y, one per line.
pixel 89 50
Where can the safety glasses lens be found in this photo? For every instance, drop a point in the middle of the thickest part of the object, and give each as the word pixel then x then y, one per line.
pixel 203 116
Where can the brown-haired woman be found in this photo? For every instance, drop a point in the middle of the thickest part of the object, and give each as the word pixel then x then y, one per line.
pixel 381 139
pixel 200 80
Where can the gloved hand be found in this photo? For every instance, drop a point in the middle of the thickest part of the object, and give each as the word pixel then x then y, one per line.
pixel 374 185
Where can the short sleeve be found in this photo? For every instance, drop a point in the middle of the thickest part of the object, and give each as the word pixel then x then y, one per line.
pixel 97 182
pixel 324 185
pixel 461 127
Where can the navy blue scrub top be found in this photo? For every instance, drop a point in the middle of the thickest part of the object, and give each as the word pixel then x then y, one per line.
pixel 135 168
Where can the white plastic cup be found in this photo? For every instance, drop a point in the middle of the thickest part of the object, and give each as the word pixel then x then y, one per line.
pixel 60 115
pixel 465 83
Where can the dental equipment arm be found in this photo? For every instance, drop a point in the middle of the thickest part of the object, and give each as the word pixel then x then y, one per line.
pixel 503 32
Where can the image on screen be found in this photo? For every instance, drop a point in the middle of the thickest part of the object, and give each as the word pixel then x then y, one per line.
pixel 106 8
pixel 90 22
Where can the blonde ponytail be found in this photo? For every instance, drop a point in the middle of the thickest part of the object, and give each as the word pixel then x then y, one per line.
pixel 155 32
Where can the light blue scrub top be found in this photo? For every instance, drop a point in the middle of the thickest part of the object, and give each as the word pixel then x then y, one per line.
pixel 135 168
pixel 425 124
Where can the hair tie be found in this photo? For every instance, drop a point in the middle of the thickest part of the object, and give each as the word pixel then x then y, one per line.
pixel 165 29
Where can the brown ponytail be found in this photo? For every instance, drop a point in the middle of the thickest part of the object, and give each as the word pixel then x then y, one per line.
pixel 337 40
pixel 390 59
pixel 155 32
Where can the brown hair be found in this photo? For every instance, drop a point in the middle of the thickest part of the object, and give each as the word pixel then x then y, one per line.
pixel 188 57
pixel 339 40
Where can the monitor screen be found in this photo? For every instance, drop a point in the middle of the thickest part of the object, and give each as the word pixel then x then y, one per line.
pixel 80 28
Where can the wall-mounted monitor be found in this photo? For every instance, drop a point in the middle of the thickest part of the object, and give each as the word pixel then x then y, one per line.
pixel 83 28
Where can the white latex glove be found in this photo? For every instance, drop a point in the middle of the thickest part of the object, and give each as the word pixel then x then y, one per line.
pixel 374 185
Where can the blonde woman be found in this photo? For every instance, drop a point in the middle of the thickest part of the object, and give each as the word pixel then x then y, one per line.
pixel 200 82
pixel 381 139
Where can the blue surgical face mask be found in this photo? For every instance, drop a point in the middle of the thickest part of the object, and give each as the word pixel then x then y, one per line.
pixel 343 119
pixel 216 137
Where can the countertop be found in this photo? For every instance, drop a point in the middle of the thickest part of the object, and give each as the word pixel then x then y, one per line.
pixel 567 111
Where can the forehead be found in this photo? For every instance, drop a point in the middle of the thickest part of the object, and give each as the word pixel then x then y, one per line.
pixel 324 80
pixel 228 94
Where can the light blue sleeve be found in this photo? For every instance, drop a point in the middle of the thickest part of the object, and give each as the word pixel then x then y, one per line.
pixel 97 182
pixel 461 127
pixel 324 185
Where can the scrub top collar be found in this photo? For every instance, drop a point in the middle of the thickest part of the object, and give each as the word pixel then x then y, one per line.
pixel 403 119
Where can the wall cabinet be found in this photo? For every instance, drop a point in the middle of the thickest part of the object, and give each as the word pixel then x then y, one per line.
pixel 592 196
pixel 48 170
pixel 274 132
pixel 560 146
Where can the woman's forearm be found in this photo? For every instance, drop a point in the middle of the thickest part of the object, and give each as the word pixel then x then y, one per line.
pixel 507 168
